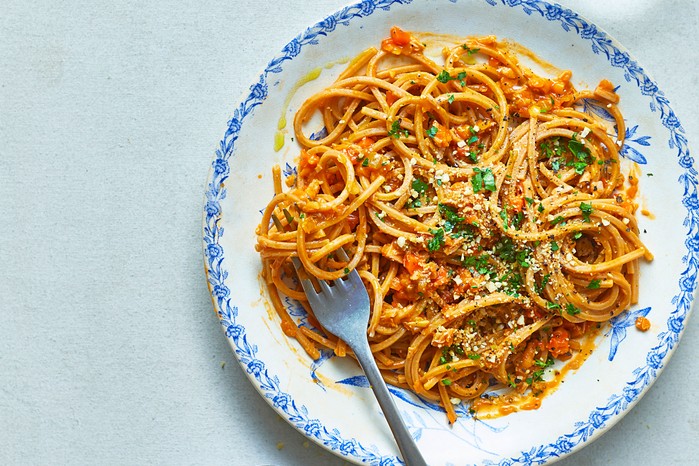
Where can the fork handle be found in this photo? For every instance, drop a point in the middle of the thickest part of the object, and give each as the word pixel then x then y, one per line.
pixel 406 444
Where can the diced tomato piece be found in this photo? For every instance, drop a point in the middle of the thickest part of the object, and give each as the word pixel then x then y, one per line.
pixel 559 343
pixel 308 160
pixel 366 142
pixel 412 262
pixel 353 220
pixel 399 36
pixel 442 137
pixel 518 203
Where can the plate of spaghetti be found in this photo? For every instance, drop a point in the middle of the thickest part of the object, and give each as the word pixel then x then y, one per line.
pixel 519 205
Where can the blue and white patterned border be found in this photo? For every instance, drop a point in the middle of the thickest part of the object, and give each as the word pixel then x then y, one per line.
pixel 269 384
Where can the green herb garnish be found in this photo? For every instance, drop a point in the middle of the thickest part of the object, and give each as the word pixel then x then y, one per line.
pixel 396 130
pixel 571 309
pixel 586 210
pixel 443 77
pixel 594 284
pixel 437 240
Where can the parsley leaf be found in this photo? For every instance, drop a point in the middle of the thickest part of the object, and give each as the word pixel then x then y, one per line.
pixel 419 186
pixel 480 264
pixel 477 180
pixel 432 131
pixel 594 284
pixel 396 130
pixel 556 164
pixel 504 217
pixel 544 281
pixel 461 77
pixel 437 240
pixel 523 258
pixel 488 179
pixel 546 149
pixel 469 50
pixel 450 214
pixel 586 210
pixel 544 364
pixel 444 77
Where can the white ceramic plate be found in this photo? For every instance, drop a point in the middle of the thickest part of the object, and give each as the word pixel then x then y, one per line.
pixel 327 400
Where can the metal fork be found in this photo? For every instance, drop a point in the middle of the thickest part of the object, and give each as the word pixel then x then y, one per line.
pixel 343 309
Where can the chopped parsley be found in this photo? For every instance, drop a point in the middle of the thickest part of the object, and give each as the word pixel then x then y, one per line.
pixel 586 210
pixel 522 258
pixel 451 98
pixel 594 284
pixel 554 246
pixel 544 364
pixel 419 186
pixel 518 219
pixel 470 51
pixel 539 288
pixel 483 179
pixel 571 309
pixel 396 130
pixel 461 76
pixel 450 216
pixel 505 250
pixel 538 375
pixel 511 382
pixel 504 217
pixel 546 149
pixel 578 150
pixel 365 162
pixel 446 382
pixel 444 77
pixel 480 264
pixel 556 164
pixel 474 356
pixel 432 131
pixel 437 240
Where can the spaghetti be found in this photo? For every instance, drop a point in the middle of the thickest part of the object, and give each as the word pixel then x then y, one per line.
pixel 485 212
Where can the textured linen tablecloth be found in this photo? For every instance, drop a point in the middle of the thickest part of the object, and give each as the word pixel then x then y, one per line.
pixel 109 115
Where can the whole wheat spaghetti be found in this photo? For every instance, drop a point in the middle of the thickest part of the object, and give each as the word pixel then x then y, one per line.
pixel 485 212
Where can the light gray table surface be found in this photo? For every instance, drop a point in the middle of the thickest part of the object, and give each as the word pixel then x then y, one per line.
pixel 110 352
